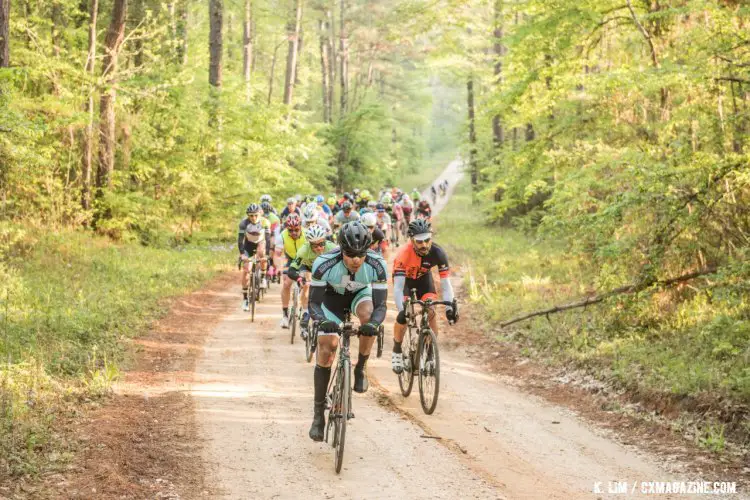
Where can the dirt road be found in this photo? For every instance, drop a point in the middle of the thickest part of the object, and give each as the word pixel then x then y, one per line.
pixel 253 393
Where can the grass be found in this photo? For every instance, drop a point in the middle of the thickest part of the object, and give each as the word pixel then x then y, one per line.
pixel 67 302
pixel 681 344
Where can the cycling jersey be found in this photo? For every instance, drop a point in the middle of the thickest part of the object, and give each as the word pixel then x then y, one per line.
pixel 306 256
pixel 290 245
pixel 252 232
pixel 412 271
pixel 335 288
pixel 322 222
pixel 341 218
pixel 383 220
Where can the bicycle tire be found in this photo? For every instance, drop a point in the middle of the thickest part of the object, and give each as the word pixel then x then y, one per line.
pixel 428 360
pixel 381 340
pixel 251 297
pixel 308 344
pixel 293 313
pixel 406 377
pixel 344 389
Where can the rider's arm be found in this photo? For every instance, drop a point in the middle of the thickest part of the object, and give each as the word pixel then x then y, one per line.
pixel 317 292
pixel 444 271
pixel 241 239
pixel 379 289
pixel 399 282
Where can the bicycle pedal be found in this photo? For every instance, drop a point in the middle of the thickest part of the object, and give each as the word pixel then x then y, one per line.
pixel 350 415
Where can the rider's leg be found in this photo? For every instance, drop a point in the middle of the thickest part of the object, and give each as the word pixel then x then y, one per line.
pixel 327 345
pixel 432 320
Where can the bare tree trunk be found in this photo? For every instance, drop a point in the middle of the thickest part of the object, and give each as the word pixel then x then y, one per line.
pixel 293 28
pixel 230 36
pixel 325 71
pixel 182 29
pixel 113 43
pixel 88 134
pixel 472 133
pixel 4 33
pixel 344 54
pixel 247 47
pixel 273 70
pixel 498 134
pixel 57 27
pixel 215 43
pixel 138 15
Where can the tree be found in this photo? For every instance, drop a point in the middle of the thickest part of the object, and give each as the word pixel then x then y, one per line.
pixel 88 133
pixel 293 34
pixel 112 45
pixel 247 46
pixel 4 33
pixel 215 42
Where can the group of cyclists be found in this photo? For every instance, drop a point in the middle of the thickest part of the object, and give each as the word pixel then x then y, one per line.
pixel 335 249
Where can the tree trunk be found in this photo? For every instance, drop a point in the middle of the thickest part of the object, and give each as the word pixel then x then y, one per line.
pixel 498 135
pixel 215 42
pixel 182 29
pixel 247 47
pixel 138 15
pixel 325 71
pixel 230 36
pixel 88 134
pixel 472 133
pixel 4 33
pixel 273 70
pixel 113 43
pixel 344 54
pixel 293 28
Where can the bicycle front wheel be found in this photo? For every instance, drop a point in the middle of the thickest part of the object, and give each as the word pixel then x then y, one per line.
pixel 381 340
pixel 342 415
pixel 251 295
pixel 309 343
pixel 293 313
pixel 428 359
pixel 406 377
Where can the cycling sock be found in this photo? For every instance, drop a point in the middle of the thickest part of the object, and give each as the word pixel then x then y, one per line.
pixel 397 347
pixel 321 377
pixel 360 366
pixel 244 293
pixel 286 311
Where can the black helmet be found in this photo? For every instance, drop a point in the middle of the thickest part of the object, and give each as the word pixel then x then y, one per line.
pixel 354 238
pixel 265 206
pixel 252 208
pixel 346 206
pixel 419 226
pixel 347 196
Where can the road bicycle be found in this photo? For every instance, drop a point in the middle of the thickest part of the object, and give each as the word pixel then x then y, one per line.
pixel 339 395
pixel 421 353
pixel 311 341
pixel 295 310
pixel 253 288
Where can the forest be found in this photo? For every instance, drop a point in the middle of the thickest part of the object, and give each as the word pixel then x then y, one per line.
pixel 615 130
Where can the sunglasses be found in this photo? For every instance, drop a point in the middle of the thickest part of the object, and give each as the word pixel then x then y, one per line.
pixel 318 245
pixel 423 242
pixel 355 255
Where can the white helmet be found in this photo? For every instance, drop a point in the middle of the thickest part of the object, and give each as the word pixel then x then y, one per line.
pixel 369 219
pixel 311 212
pixel 266 197
pixel 315 233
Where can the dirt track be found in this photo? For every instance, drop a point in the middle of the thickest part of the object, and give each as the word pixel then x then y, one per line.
pixel 253 393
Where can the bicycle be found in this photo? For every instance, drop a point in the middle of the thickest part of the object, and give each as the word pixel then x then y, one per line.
pixel 311 341
pixel 421 353
pixel 381 340
pixel 339 396
pixel 394 234
pixel 295 311
pixel 253 287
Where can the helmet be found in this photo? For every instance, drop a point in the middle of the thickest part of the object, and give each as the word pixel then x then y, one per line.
pixel 386 197
pixel 298 197
pixel 354 238
pixel 266 206
pixel 252 208
pixel 315 233
pixel 405 197
pixel 331 201
pixel 311 212
pixel 347 196
pixel 293 221
pixel 372 204
pixel 355 192
pixel 365 195
pixel 319 199
pixel 266 197
pixel 369 219
pixel 346 206
pixel 419 226
pixel 290 201
pixel 309 198
pixel 381 207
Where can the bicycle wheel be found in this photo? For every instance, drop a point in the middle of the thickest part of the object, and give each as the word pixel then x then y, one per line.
pixel 344 390
pixel 308 344
pixel 428 360
pixel 293 312
pixel 381 339
pixel 406 377
pixel 251 293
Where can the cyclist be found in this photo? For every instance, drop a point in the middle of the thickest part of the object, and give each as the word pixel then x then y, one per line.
pixel 333 206
pixel 383 220
pixel 398 217
pixel 320 202
pixel 412 269
pixel 266 198
pixel 424 210
pixel 353 278
pixel 379 244
pixel 415 195
pixel 300 268
pixel 364 199
pixel 347 214
pixel 407 207
pixel 275 222
pixel 312 215
pixel 288 243
pixel 433 191
pixel 251 240
pixel 291 208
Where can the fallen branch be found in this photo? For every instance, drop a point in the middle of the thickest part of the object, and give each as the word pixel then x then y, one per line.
pixel 633 288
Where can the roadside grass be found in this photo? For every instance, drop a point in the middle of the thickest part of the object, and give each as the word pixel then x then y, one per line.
pixel 693 348
pixel 428 172
pixel 68 300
